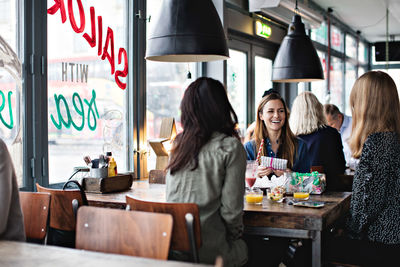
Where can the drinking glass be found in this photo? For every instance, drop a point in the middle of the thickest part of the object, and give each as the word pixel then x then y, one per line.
pixel 254 196
pixel 251 170
pixel 301 193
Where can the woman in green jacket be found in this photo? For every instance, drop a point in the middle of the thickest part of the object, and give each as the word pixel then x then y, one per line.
pixel 207 167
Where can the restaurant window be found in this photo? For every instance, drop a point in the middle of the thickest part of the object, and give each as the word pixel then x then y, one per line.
pixel 361 71
pixel 395 74
pixel 362 53
pixel 336 39
pixel 336 75
pixel 351 46
pixel 318 88
pixel 237 85
pixel 263 74
pixel 350 77
pixel 320 34
pixel 165 86
pixel 87 109
pixel 11 111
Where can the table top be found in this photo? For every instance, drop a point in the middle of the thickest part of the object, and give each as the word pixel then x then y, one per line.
pixel 140 189
pixel 269 214
pixel 32 255
pixel 273 214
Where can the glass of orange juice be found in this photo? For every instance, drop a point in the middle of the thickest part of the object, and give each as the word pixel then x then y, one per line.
pixel 301 194
pixel 254 196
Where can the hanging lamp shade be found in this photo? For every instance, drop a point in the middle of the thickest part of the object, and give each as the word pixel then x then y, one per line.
pixel 297 60
pixel 187 31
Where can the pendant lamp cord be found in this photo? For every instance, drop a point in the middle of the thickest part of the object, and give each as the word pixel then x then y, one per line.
pixel 387 39
pixel 296 9
pixel 189 75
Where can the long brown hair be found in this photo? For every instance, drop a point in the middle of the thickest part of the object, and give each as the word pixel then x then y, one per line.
pixel 205 109
pixel 375 108
pixel 288 146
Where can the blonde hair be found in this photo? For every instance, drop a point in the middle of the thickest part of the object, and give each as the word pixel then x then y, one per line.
pixel 307 114
pixel 375 108
pixel 288 146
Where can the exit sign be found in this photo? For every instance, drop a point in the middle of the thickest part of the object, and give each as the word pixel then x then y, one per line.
pixel 263 30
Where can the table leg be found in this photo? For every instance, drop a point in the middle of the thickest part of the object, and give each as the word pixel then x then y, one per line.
pixel 316 249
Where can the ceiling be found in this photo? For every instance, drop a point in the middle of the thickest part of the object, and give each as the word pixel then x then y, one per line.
pixel 366 16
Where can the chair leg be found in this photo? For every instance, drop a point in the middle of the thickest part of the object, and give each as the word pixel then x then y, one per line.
pixel 75 206
pixel 190 229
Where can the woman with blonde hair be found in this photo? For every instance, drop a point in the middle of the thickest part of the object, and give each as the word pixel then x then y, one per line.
pixel 323 142
pixel 374 221
pixel 279 142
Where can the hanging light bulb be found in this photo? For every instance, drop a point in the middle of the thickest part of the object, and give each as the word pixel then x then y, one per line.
pixel 297 60
pixel 187 31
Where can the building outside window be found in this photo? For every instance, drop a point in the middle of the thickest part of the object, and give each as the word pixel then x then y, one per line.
pixel 87 110
pixel 11 59
pixel 336 79
pixel 351 46
pixel 350 77
pixel 318 88
pixel 237 85
pixel 336 39
pixel 165 85
pixel 320 34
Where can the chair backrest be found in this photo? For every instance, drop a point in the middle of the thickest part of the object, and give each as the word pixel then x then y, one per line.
pixel 35 208
pixel 134 233
pixel 180 236
pixel 157 176
pixel 61 212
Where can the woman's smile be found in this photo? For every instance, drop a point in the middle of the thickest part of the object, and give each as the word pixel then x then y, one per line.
pixel 273 115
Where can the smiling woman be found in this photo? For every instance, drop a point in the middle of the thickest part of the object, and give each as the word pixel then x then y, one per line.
pixel 272 127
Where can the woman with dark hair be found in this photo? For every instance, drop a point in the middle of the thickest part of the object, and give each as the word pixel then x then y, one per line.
pixel 207 167
pixel 279 142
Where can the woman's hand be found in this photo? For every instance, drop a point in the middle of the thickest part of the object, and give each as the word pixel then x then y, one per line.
pixel 263 171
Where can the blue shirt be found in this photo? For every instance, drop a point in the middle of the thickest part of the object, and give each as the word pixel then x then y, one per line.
pixel 301 162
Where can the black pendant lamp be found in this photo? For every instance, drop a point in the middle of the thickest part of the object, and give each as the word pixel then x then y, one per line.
pixel 187 31
pixel 297 60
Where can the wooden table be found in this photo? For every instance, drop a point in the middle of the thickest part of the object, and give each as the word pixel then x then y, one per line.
pixel 270 218
pixel 283 220
pixel 32 255
pixel 140 190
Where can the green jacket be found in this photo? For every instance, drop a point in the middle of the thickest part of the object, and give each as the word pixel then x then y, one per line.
pixel 217 186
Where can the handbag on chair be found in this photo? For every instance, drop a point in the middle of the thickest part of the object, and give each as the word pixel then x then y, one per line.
pixel 65 236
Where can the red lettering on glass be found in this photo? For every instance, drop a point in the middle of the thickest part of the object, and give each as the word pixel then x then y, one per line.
pixel 123 73
pixel 100 43
pixel 105 52
pixel 72 16
pixel 58 4
pixel 111 58
pixel 91 40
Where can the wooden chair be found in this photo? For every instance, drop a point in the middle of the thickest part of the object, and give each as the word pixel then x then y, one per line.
pixel 157 176
pixel 134 233
pixel 35 208
pixel 186 235
pixel 63 208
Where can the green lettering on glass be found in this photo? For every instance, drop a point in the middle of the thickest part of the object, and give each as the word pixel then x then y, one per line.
pixel 79 108
pixel 3 102
pixel 67 123
pixel 91 111
pixel 80 111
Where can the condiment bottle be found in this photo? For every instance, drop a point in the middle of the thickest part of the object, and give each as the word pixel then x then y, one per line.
pixel 112 167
